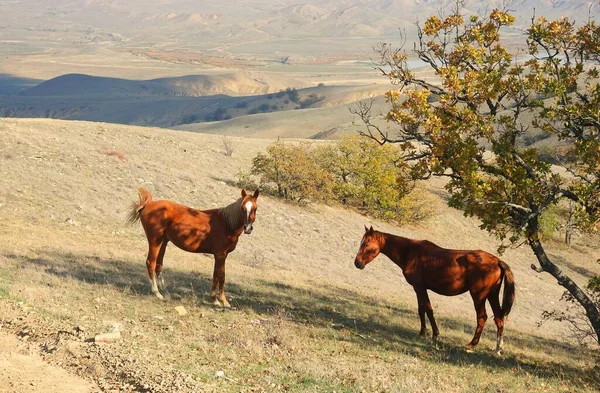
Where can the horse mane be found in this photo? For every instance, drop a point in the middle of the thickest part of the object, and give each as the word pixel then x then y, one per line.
pixel 232 215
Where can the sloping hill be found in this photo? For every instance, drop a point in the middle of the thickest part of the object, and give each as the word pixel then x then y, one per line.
pixel 80 85
pixel 71 269
pixel 170 102
pixel 330 119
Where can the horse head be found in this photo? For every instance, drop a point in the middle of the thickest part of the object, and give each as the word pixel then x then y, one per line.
pixel 249 210
pixel 369 248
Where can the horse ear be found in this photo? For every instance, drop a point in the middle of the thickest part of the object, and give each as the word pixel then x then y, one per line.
pixel 256 193
pixel 371 229
pixel 243 193
pixel 366 229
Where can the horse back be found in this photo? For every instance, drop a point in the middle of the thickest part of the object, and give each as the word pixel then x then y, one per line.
pixel 166 212
pixel 452 272
pixel 190 229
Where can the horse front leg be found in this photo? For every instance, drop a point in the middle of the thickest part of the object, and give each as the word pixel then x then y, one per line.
pixel 423 330
pixel 426 308
pixel 219 279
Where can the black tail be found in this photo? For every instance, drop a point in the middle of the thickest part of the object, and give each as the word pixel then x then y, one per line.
pixel 508 298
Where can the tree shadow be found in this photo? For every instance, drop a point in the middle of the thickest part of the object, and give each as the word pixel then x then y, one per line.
pixel 561 261
pixel 332 307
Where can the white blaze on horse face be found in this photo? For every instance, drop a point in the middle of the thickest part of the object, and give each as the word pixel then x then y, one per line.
pixel 248 209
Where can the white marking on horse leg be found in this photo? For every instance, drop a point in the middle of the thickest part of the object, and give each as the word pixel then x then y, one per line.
pixel 499 344
pixel 155 288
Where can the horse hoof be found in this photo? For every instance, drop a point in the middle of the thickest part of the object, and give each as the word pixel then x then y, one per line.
pixel 158 295
pixel 226 304
pixel 469 349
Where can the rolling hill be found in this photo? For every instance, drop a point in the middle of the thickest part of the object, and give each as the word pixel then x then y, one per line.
pixel 170 102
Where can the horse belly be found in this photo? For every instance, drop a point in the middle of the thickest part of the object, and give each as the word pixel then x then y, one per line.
pixel 188 239
pixel 449 290
pixel 448 284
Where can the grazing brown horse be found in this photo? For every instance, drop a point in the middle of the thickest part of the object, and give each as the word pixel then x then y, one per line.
pixel 214 231
pixel 427 266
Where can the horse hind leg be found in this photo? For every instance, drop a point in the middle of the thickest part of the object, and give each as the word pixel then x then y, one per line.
pixel 481 318
pixel 159 266
pixel 494 299
pixel 153 252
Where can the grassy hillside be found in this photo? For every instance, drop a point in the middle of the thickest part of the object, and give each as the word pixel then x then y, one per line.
pixel 304 318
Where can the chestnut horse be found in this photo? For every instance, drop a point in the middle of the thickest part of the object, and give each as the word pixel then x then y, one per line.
pixel 214 231
pixel 427 266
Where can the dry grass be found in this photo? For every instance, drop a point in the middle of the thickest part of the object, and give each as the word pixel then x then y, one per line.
pixel 304 319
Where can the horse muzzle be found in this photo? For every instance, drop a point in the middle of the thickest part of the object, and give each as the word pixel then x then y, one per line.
pixel 248 229
pixel 359 265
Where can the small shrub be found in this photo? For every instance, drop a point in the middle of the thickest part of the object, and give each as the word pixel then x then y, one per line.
pixel 227 146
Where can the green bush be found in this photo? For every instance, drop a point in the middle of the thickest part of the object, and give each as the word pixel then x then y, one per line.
pixel 290 172
pixel 355 172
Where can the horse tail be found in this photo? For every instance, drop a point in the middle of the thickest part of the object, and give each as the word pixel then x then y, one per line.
pixel 136 207
pixel 509 288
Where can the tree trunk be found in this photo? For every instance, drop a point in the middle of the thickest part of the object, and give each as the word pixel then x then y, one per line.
pixel 591 310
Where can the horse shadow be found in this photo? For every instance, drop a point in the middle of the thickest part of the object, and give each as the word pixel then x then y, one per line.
pixel 330 308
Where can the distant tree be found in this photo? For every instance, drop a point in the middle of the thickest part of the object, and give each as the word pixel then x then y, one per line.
pixel 292 94
pixel 191 118
pixel 312 98
pixel 218 115
pixel 470 133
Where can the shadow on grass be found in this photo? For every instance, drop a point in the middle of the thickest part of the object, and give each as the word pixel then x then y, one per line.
pixel 564 262
pixel 322 307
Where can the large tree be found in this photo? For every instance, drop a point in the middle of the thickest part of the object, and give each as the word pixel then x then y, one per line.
pixel 468 121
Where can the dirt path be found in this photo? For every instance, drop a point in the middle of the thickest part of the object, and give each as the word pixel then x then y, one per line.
pixel 21 371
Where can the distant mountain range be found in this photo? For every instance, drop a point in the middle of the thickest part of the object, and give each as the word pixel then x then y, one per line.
pixel 237 25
